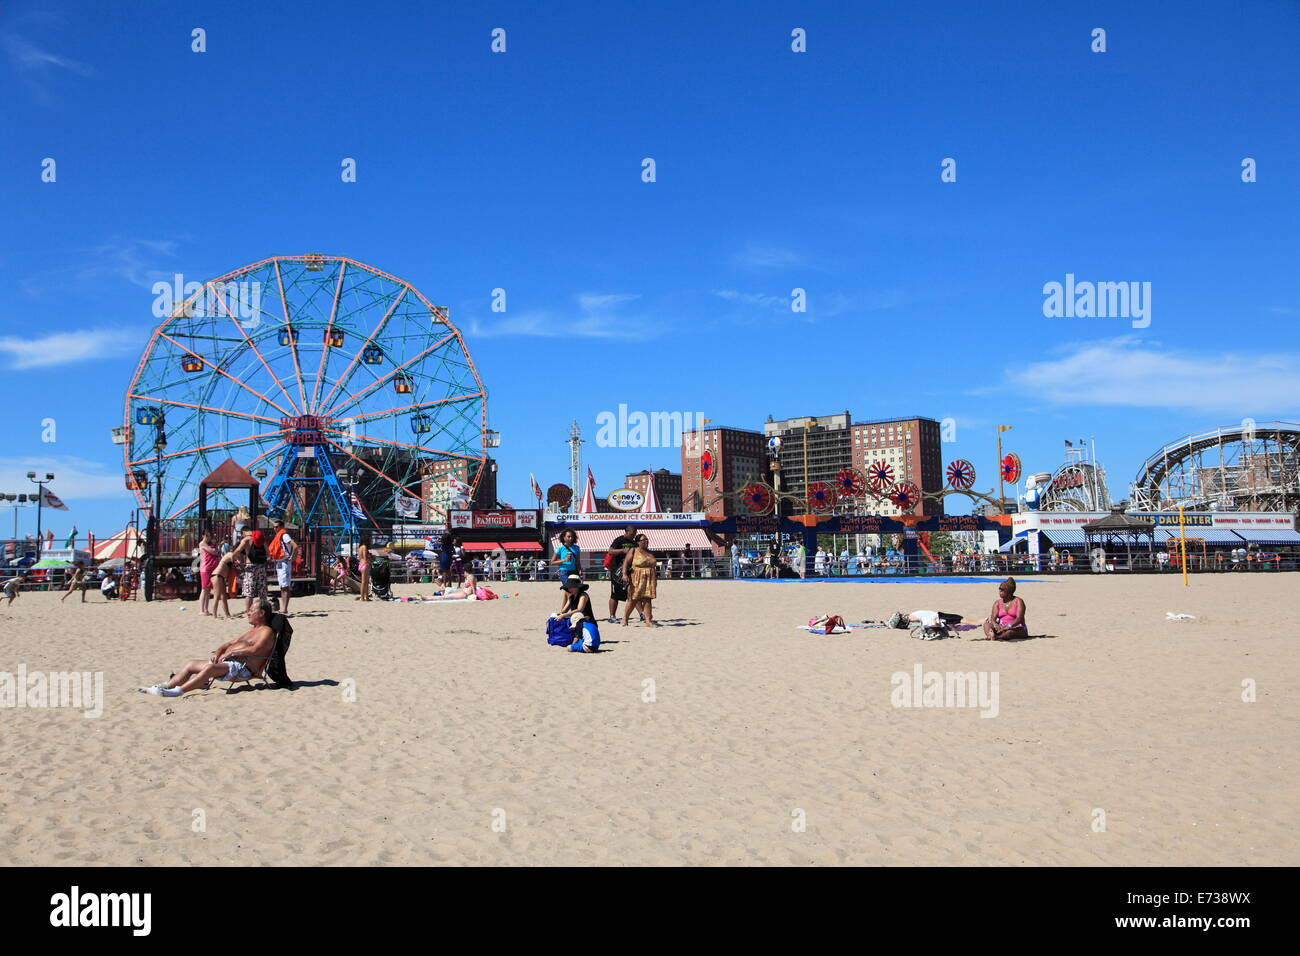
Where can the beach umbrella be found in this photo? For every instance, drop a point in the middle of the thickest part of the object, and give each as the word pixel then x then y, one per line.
pixel 52 563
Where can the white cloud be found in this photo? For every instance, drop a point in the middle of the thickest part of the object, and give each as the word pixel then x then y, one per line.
pixel 760 256
pixel 1133 373
pixel 64 348
pixel 598 316
pixel 758 299
pixel 74 478
pixel 28 57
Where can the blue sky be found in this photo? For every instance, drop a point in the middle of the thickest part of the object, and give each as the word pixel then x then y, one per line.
pixel 775 170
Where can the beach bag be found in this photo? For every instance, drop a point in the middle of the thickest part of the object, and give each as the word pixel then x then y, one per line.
pixel 485 594
pixel 559 632
pixel 929 633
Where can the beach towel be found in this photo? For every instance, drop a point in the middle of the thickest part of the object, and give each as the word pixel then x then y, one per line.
pixel 821 630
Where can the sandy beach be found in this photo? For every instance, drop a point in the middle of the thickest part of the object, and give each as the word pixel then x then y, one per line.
pixel 454 734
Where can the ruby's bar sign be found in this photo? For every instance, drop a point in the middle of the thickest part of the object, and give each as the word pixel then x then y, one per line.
pixel 494 519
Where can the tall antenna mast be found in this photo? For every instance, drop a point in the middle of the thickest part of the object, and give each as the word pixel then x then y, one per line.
pixel 575 461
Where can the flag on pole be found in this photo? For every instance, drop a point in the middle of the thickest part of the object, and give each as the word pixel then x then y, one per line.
pixel 1068 443
pixel 461 494
pixel 72 538
pixel 406 507
pixel 537 489
pixel 355 502
pixel 50 500
pixel 49 539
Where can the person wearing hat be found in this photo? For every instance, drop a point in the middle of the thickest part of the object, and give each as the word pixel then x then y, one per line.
pixel 576 606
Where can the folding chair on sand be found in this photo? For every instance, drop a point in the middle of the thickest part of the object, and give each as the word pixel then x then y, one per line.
pixel 270 669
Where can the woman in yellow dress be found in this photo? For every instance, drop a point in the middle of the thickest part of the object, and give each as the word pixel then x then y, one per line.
pixel 639 572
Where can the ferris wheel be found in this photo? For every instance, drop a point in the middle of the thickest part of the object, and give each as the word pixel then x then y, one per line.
pixel 338 386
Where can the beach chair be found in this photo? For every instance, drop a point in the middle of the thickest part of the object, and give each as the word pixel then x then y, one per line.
pixel 272 669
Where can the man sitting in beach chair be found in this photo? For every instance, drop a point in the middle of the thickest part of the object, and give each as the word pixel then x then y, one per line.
pixel 242 659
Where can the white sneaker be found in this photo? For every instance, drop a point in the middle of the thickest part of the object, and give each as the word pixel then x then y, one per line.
pixel 156 689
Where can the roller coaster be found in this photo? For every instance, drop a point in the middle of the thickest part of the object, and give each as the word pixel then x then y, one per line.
pixel 1253 466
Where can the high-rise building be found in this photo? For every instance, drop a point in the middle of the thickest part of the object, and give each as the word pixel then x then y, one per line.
pixel 435 486
pixel 735 457
pixel 913 450
pixel 668 487
pixel 823 443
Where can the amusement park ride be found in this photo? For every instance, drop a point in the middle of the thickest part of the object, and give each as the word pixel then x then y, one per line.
pixel 852 489
pixel 338 367
pixel 1254 466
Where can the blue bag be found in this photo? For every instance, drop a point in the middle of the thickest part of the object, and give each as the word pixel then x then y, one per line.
pixel 559 632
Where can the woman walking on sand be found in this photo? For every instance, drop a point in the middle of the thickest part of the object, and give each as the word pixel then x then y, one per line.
pixel 643 580
pixel 209 558
pixel 363 568
pixel 254 551
pixel 227 570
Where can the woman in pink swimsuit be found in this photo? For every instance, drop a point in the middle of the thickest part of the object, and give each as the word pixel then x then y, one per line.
pixel 1007 619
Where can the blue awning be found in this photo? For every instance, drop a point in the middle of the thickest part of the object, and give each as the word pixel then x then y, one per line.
pixel 1279 536
pixel 1208 535
pixel 1061 538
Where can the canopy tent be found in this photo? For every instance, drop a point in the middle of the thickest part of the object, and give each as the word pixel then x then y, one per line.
pixel 1120 529
pixel 650 504
pixel 125 544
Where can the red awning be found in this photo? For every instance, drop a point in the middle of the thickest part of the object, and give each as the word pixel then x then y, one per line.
pixel 480 545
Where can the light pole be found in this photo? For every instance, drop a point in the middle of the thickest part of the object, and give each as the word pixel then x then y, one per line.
pixel 774 453
pixel 1002 498
pixel 350 480
pixel 153 532
pixel 17 500
pixel 40 501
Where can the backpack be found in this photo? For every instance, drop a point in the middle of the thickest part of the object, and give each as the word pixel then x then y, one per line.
pixel 275 549
pixel 559 632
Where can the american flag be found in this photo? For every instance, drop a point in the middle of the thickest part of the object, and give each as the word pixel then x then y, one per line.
pixel 537 489
pixel 357 510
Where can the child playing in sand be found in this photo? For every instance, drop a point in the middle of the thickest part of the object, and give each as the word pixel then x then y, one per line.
pixel 1007 619
pixel 13 586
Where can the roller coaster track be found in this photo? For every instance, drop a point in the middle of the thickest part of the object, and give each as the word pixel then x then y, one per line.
pixel 1251 466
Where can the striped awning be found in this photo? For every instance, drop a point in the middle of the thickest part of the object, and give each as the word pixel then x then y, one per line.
pixel 1062 538
pixel 1208 535
pixel 1280 536
pixel 661 539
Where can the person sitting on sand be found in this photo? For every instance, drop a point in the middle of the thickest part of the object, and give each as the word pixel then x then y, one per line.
pixel 108 586
pixel 468 589
pixel 576 606
pixel 240 659
pixel 1007 619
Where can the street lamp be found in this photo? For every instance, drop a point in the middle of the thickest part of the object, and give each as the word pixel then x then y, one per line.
pixel 40 501
pixel 153 533
pixel 350 478
pixel 774 453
